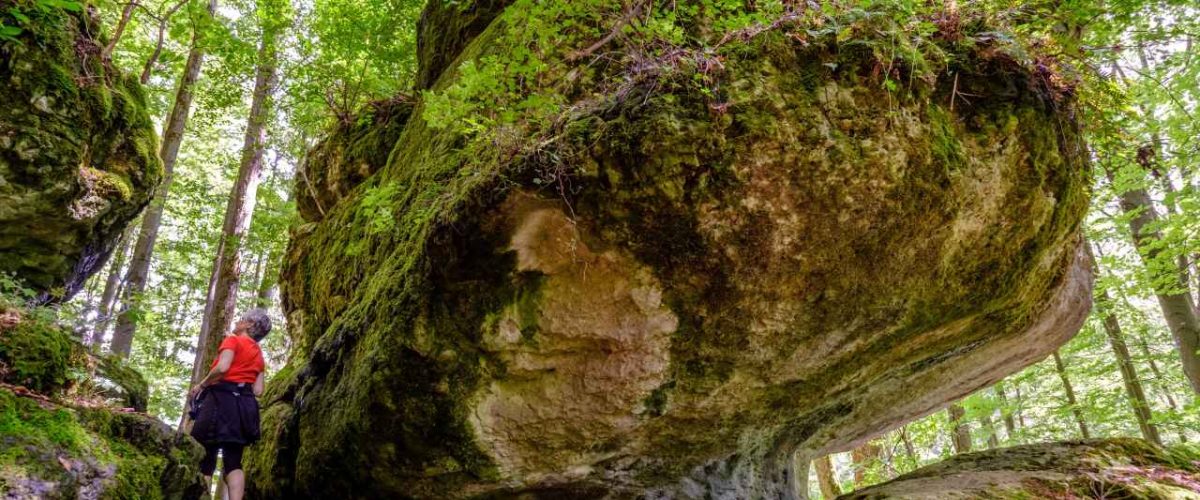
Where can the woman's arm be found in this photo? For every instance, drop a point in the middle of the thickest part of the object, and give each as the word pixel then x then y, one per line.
pixel 224 361
pixel 258 384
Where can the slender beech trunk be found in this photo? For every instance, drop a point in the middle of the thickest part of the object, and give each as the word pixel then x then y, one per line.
pixel 1158 376
pixel 252 293
pixel 1133 386
pixel 226 273
pixel 111 283
pixel 1062 373
pixel 961 435
pixel 1160 382
pixel 1116 339
pixel 1020 403
pixel 1006 413
pixel 126 15
pixel 267 286
pixel 863 457
pixel 993 440
pixel 1178 309
pixel 826 478
pixel 909 449
pixel 139 266
pixel 163 20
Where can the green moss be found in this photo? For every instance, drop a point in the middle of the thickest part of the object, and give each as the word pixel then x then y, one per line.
pixel 351 152
pixel 127 384
pixel 36 353
pixel 943 139
pixel 130 455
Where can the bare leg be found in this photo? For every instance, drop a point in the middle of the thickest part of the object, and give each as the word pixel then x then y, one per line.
pixel 235 484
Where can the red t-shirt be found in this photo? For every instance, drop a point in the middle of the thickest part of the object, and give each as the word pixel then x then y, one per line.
pixel 247 359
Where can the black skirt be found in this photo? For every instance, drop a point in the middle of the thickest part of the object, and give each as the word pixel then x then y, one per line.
pixel 227 413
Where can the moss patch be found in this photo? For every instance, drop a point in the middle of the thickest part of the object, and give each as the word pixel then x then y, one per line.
pixel 37 354
pixel 58 451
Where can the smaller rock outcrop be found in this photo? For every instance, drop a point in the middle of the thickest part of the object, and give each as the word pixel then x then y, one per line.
pixel 53 450
pixel 78 152
pixel 1101 468
pixel 61 438
pixel 352 152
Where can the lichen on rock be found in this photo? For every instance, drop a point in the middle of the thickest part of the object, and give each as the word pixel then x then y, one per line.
pixel 78 153
pixel 1101 468
pixel 678 293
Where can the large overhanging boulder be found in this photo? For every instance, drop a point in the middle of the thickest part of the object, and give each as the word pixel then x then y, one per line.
pixel 679 292
pixel 78 152
pixel 1114 468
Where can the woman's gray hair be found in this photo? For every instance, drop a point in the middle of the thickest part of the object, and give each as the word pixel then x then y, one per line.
pixel 260 323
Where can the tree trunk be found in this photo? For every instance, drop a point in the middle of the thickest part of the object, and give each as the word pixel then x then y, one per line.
pixel 267 286
pixel 992 439
pixel 1006 413
pixel 1062 373
pixel 961 436
pixel 863 457
pixel 252 293
pixel 1116 339
pixel 1178 309
pixel 126 15
pixel 909 449
pixel 139 266
pixel 1020 405
pixel 1133 386
pixel 226 272
pixel 1159 381
pixel 826 478
pixel 111 284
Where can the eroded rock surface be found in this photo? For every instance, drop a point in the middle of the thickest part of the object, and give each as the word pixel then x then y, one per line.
pixel 1115 468
pixel 684 295
pixel 78 153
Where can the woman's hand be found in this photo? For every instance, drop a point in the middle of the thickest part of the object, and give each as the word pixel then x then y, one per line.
pixel 195 390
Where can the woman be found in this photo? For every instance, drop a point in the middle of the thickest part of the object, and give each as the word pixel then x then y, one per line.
pixel 226 408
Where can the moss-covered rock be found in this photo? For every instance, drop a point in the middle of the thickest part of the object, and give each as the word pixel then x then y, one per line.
pixel 78 153
pixel 59 435
pixel 1113 468
pixel 681 290
pixel 445 29
pixel 48 450
pixel 117 380
pixel 34 351
pixel 348 155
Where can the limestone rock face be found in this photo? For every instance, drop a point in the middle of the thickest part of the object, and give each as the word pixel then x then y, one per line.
pixel 1116 468
pixel 681 295
pixel 78 153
